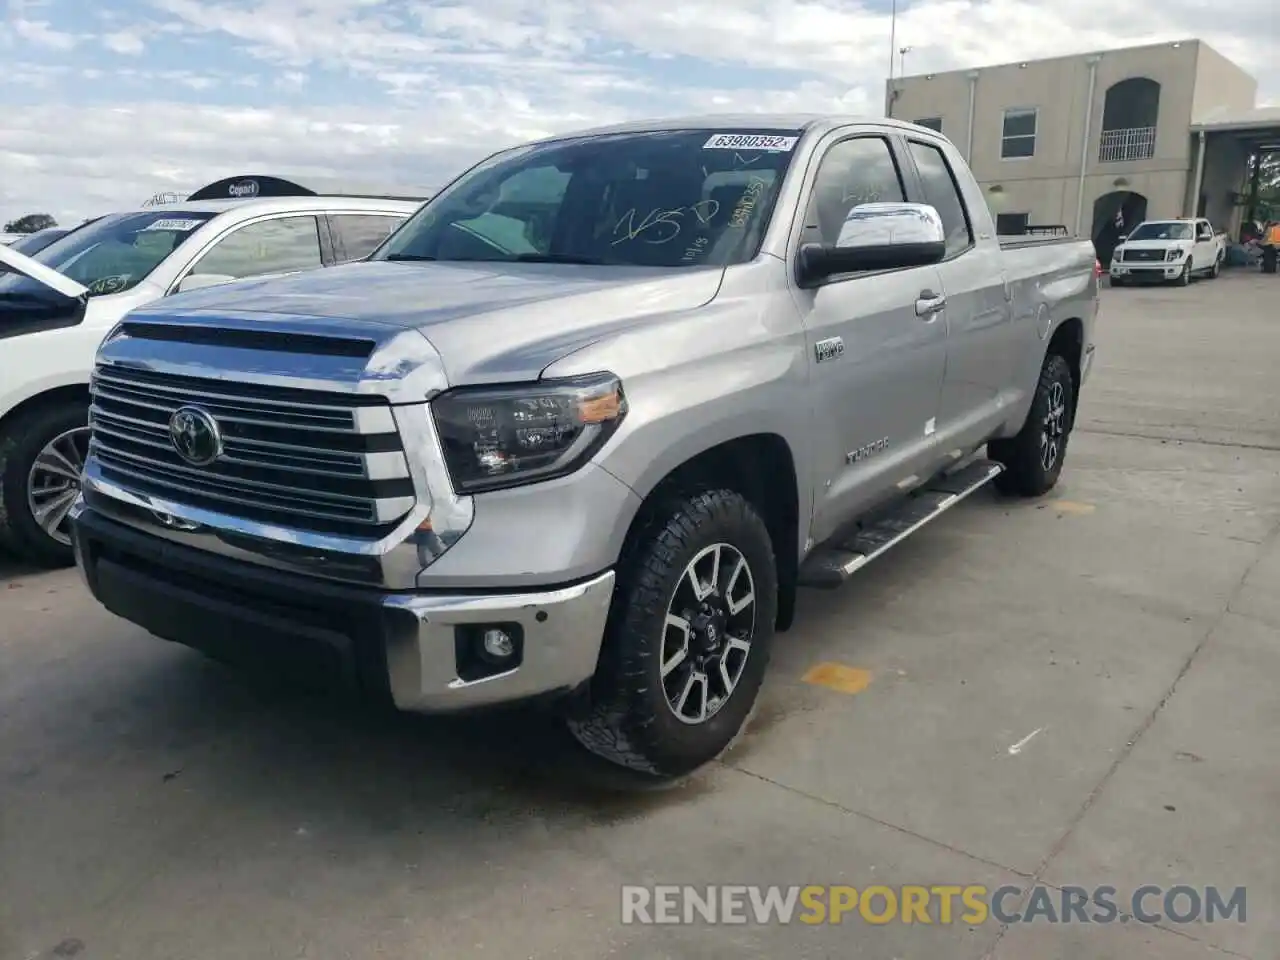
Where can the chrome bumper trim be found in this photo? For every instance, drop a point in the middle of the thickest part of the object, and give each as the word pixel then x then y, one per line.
pixel 563 630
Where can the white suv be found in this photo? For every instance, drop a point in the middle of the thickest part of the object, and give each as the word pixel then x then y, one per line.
pixel 57 306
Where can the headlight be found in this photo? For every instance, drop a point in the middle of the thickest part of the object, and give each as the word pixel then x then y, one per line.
pixel 495 437
pixel 1176 253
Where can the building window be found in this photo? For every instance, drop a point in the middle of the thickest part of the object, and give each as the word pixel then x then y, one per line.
pixel 933 123
pixel 1019 139
pixel 1012 224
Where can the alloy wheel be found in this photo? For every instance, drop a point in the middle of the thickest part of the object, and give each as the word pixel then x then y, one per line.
pixel 707 633
pixel 1054 428
pixel 54 482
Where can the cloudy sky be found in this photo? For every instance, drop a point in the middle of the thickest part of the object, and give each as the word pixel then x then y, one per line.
pixel 104 104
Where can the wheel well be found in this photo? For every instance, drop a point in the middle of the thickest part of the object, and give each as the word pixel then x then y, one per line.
pixel 74 392
pixel 760 468
pixel 1068 343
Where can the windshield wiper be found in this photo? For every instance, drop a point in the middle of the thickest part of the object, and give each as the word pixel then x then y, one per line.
pixel 558 258
pixel 405 257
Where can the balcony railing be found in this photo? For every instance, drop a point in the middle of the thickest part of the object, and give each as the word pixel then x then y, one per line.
pixel 1127 143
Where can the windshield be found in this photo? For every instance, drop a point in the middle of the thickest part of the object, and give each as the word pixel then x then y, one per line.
pixel 655 199
pixel 114 253
pixel 1161 231
pixel 33 243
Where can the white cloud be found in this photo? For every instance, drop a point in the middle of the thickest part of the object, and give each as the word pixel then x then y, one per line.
pixel 124 42
pixel 41 34
pixel 459 79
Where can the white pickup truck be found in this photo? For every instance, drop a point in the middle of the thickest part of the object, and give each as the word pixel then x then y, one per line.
pixel 1164 251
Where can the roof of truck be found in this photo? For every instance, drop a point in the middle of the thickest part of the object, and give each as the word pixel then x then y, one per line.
pixel 737 121
pixel 262 205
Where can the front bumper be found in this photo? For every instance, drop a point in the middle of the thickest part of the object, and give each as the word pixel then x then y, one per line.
pixel 413 649
pixel 1155 271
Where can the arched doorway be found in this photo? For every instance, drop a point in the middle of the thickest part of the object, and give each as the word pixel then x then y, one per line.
pixel 1115 214
pixel 1129 116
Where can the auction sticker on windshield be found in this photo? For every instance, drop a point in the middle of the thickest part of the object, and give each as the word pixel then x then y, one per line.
pixel 750 141
pixel 173 224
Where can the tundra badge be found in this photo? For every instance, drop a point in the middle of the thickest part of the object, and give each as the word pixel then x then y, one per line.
pixel 867 450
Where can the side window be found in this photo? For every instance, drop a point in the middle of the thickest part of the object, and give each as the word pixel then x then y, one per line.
pixel 942 193
pixel 860 170
pixel 269 246
pixel 359 234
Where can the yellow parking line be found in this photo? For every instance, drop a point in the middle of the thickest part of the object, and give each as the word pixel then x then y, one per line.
pixel 838 677
pixel 1071 506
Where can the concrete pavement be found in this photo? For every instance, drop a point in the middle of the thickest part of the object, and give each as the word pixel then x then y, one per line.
pixel 1121 634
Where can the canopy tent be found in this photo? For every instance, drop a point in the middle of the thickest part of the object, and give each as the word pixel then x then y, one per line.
pixel 248 186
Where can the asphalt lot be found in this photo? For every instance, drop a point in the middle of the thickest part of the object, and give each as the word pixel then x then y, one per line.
pixel 155 805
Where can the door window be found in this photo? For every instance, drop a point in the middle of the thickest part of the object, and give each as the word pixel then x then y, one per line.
pixel 359 234
pixel 943 194
pixel 855 171
pixel 282 245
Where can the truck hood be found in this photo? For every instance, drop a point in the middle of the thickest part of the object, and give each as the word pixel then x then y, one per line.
pixel 41 274
pixel 490 322
pixel 1153 244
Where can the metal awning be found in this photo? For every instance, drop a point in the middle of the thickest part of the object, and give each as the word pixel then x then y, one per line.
pixel 249 186
pixel 1258 127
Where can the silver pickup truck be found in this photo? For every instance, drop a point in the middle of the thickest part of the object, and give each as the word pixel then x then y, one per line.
pixel 582 427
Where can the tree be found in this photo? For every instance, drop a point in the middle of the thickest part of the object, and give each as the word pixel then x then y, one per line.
pixel 30 223
pixel 1269 187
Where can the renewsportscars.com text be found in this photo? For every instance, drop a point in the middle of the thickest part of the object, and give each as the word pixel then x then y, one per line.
pixel 970 905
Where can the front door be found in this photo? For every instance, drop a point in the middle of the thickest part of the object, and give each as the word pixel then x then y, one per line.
pixel 876 363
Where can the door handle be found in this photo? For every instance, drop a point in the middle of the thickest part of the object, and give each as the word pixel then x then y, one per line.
pixel 929 303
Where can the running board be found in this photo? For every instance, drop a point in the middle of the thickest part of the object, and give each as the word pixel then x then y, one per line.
pixel 833 563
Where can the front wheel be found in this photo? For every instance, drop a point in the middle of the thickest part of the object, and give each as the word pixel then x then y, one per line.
pixel 1184 278
pixel 688 638
pixel 42 454
pixel 1033 459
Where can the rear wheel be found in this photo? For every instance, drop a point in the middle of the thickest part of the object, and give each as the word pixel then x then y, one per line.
pixel 1215 269
pixel 688 639
pixel 42 454
pixel 1033 459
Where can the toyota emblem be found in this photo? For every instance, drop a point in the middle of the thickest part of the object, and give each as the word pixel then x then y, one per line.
pixel 195 435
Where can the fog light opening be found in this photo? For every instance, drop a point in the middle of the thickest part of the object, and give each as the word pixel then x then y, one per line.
pixel 486 649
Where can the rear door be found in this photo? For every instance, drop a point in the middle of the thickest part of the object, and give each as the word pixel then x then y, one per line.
pixel 978 313
pixel 356 235
pixel 876 363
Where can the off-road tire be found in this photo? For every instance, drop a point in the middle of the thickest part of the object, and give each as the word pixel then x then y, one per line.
pixel 1024 472
pixel 21 440
pixel 626 718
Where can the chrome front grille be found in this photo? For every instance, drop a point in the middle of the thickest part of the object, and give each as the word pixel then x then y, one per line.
pixel 329 463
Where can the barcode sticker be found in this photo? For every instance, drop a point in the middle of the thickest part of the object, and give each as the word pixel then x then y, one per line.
pixel 173 224
pixel 750 141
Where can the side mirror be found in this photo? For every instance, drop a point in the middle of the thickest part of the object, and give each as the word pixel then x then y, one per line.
pixel 878 236
pixel 198 281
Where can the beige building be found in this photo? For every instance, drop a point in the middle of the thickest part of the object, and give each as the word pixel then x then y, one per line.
pixel 1095 140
